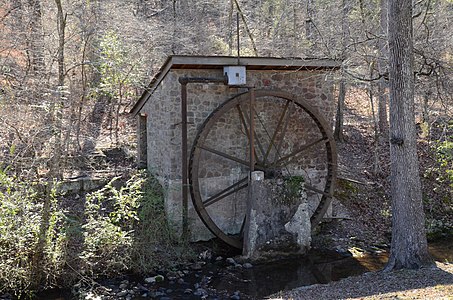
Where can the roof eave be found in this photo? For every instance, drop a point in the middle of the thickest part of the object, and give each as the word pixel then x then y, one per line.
pixel 152 86
pixel 258 63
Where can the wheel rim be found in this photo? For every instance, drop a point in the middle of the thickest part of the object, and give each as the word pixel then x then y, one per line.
pixel 219 160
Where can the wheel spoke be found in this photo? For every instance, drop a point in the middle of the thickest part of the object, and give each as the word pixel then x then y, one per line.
pixel 244 120
pixel 277 129
pixel 241 116
pixel 235 187
pixel 279 124
pixel 301 149
pixel 264 127
pixel 282 137
pixel 227 156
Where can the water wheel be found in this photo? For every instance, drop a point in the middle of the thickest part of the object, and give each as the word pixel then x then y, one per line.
pixel 290 139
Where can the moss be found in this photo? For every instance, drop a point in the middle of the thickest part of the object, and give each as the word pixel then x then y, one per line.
pixel 293 185
pixel 291 190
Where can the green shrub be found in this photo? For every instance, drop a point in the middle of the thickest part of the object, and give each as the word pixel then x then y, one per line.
pixel 121 228
pixel 438 228
pixel 30 246
pixel 438 201
pixel 126 229
pixel 444 155
pixel 156 244
pixel 111 214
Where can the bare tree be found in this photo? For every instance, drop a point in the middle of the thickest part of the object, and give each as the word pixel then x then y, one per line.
pixel 35 49
pixel 409 247
pixel 59 102
pixel 338 133
pixel 382 66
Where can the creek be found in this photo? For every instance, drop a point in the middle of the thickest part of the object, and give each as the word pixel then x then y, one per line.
pixel 217 278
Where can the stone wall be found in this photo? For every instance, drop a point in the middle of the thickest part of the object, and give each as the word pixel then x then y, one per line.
pixel 164 122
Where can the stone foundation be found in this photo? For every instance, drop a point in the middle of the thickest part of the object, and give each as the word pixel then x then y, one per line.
pixel 278 220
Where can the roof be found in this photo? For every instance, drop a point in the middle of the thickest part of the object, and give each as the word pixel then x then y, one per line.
pixel 218 62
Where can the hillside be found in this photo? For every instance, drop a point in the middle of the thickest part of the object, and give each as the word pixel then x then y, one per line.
pixel 73 207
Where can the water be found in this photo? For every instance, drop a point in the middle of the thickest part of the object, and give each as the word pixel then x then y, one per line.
pixel 317 267
pixel 221 280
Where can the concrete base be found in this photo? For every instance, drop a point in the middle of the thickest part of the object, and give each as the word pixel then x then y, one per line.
pixel 277 223
pixel 83 184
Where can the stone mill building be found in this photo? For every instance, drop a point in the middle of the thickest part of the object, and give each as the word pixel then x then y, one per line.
pixel 206 122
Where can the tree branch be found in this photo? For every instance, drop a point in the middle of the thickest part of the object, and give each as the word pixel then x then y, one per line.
pixel 8 12
pixel 247 28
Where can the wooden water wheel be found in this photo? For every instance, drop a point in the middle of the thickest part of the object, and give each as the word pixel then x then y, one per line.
pixel 289 138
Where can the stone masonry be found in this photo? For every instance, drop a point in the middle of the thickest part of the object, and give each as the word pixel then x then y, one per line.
pixel 163 122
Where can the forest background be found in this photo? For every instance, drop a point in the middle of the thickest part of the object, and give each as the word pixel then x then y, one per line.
pixel 72 69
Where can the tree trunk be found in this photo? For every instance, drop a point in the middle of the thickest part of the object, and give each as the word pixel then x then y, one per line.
pixel 382 107
pixel 409 246
pixel 338 133
pixel 36 37
pixel 84 82
pixel 89 37
pixel 246 27
pixel 59 103
pixel 310 30
pixel 382 66
pixel 377 136
pixel 231 28
pixel 175 27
